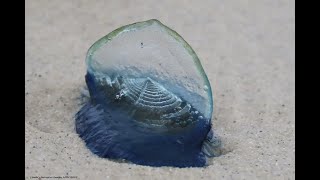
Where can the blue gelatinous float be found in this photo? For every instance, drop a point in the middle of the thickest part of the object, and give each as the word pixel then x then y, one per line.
pixel 150 99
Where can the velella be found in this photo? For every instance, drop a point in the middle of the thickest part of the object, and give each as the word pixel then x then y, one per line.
pixel 150 99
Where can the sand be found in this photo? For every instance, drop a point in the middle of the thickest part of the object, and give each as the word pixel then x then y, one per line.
pixel 247 49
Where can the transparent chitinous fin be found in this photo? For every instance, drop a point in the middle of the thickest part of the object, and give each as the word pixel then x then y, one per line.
pixel 150 49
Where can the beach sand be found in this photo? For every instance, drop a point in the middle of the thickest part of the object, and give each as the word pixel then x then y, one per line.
pixel 247 49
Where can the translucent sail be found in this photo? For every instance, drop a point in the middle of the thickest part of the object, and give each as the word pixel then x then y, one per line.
pixel 150 49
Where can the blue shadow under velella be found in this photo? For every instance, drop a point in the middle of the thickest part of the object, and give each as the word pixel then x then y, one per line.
pixel 113 128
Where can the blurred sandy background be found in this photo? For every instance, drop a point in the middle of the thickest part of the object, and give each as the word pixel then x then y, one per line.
pixel 247 48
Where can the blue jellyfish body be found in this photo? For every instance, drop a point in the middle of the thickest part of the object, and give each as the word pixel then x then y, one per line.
pixel 150 99
pixel 112 127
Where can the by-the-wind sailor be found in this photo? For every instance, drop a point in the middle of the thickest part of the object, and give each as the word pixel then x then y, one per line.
pixel 150 99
